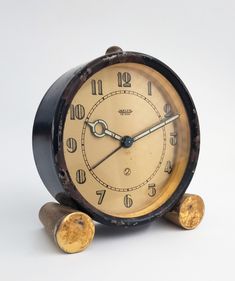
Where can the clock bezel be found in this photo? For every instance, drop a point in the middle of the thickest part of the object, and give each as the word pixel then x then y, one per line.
pixel 48 136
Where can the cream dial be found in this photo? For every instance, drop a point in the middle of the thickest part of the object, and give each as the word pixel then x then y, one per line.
pixel 126 140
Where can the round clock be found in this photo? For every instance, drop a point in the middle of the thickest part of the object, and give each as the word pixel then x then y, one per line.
pixel 117 138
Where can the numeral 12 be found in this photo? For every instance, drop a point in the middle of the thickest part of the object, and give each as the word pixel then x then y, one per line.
pixel 124 79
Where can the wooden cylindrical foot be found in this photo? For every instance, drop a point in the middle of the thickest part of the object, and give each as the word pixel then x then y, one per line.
pixel 188 213
pixel 72 230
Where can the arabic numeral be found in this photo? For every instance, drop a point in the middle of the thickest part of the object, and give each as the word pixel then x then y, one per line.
pixel 81 176
pixel 96 87
pixel 173 138
pixel 77 112
pixel 128 202
pixel 101 194
pixel 152 189
pixel 71 144
pixel 124 79
pixel 149 88
pixel 168 167
pixel 167 110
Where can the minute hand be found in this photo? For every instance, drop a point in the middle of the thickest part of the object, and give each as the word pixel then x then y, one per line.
pixel 155 128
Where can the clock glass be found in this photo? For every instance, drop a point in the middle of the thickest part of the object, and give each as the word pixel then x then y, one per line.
pixel 126 140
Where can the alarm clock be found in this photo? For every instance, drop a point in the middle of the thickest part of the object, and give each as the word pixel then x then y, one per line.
pixel 117 138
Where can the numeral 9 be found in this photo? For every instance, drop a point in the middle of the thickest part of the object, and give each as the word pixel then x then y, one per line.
pixel 71 144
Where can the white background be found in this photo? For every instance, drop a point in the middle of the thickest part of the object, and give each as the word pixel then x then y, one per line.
pixel 40 40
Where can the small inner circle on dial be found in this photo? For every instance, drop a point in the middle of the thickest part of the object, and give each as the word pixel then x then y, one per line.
pixel 126 143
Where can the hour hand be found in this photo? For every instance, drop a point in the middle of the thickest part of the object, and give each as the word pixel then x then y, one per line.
pixel 99 128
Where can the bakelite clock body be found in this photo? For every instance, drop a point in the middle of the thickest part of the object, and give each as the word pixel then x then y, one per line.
pixel 117 138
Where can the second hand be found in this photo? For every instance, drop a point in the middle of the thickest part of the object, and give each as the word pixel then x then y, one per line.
pixel 101 161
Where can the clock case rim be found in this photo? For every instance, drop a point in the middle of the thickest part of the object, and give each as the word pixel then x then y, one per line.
pixel 48 136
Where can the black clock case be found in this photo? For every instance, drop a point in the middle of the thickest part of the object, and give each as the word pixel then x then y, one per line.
pixel 48 130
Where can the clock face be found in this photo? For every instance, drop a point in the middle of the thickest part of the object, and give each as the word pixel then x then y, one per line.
pixel 126 140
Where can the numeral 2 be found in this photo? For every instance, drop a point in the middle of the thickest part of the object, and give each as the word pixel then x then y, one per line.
pixel 167 110
pixel 173 138
pixel 124 79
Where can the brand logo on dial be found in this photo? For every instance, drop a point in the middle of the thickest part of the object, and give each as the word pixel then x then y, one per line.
pixel 125 111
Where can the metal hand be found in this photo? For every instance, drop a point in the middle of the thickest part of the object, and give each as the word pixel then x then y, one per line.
pixel 155 127
pixel 105 130
pixel 106 157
